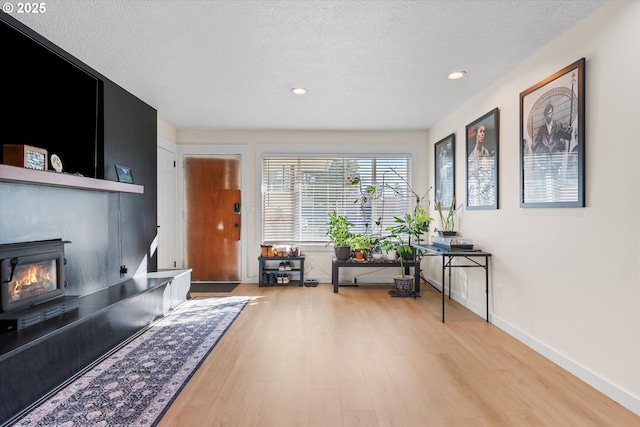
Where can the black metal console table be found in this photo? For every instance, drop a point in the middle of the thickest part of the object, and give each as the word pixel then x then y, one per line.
pixel 337 264
pixel 448 255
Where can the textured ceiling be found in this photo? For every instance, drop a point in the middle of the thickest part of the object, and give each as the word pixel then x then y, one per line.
pixel 378 64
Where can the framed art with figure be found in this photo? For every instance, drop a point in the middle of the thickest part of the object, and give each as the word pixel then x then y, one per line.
pixel 445 177
pixel 482 161
pixel 552 141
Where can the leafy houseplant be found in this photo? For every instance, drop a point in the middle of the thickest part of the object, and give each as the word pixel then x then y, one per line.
pixel 339 234
pixel 407 229
pixel 389 246
pixel 363 243
pixel 448 222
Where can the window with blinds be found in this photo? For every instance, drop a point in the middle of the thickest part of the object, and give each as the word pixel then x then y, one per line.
pixel 299 192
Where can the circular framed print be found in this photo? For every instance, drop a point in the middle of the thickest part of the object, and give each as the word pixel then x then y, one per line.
pixel 56 163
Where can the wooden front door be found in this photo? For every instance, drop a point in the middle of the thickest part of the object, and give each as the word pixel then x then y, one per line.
pixel 212 189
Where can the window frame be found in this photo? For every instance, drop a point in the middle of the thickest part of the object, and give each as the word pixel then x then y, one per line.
pixel 326 150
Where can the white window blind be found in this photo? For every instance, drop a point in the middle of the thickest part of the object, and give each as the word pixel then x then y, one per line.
pixel 299 192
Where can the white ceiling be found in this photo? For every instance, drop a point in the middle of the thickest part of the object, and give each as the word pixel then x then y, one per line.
pixel 367 65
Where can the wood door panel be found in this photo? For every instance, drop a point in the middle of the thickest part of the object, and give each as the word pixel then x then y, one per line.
pixel 213 227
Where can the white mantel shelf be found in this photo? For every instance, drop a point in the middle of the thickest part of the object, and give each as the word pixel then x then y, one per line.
pixel 53 179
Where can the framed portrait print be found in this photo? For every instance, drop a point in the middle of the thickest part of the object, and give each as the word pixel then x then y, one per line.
pixel 482 161
pixel 124 174
pixel 445 177
pixel 552 141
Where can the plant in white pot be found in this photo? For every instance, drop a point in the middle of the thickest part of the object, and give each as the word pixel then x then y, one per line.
pixel 389 246
pixel 339 235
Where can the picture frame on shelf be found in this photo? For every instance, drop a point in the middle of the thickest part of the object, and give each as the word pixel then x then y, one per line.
pixel 445 176
pixel 552 150
pixel 482 153
pixel 26 156
pixel 124 174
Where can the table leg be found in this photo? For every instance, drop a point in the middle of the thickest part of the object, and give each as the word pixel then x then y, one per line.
pixel 443 287
pixel 450 263
pixel 416 275
pixel 334 277
pixel 486 282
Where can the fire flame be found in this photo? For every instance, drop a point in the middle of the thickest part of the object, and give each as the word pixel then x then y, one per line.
pixel 35 274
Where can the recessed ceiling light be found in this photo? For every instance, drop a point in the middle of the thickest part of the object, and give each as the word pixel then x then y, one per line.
pixel 298 91
pixel 457 75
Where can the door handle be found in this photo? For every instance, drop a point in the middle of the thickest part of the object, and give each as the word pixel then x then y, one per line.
pixel 236 208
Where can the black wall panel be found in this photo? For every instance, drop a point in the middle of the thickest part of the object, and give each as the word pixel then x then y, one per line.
pixel 130 138
pixel 114 229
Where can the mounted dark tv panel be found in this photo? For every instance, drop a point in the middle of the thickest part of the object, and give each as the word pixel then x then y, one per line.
pixel 48 101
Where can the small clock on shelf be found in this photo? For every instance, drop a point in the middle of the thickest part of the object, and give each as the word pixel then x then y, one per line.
pixel 56 163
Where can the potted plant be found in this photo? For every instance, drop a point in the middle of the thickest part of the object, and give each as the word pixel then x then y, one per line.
pixel 376 252
pixel 389 246
pixel 339 235
pixel 363 244
pixel 408 230
pixel 448 221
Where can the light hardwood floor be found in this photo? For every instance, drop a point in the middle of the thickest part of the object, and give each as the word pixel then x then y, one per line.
pixel 308 357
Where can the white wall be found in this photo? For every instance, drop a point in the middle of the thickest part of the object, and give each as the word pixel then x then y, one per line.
pixel 167 132
pixel 570 278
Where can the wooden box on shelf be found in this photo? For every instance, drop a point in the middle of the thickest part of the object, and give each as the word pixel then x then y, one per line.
pixel 25 156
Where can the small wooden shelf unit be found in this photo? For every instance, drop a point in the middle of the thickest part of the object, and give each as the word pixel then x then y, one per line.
pixel 272 264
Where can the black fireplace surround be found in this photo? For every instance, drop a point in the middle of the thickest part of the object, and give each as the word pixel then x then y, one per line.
pixel 39 359
pixel 111 308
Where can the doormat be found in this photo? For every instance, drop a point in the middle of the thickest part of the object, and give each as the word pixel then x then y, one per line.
pixel 136 385
pixel 410 294
pixel 213 286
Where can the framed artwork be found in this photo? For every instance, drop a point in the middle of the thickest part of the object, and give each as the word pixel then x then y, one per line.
pixel 482 161
pixel 445 178
pixel 124 174
pixel 552 141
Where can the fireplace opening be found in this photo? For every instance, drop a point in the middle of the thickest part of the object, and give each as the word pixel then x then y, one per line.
pixel 32 283
pixel 31 279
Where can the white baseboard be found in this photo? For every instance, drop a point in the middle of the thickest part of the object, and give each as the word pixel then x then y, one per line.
pixel 614 392
pixel 611 390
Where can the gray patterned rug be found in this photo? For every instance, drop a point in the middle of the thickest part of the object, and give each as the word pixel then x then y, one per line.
pixel 136 385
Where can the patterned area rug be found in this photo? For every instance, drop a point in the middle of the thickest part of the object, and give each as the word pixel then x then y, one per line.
pixel 136 385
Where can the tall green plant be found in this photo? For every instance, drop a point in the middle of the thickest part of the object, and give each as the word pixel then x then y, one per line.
pixel 364 195
pixel 448 222
pixel 338 231
pixel 409 229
